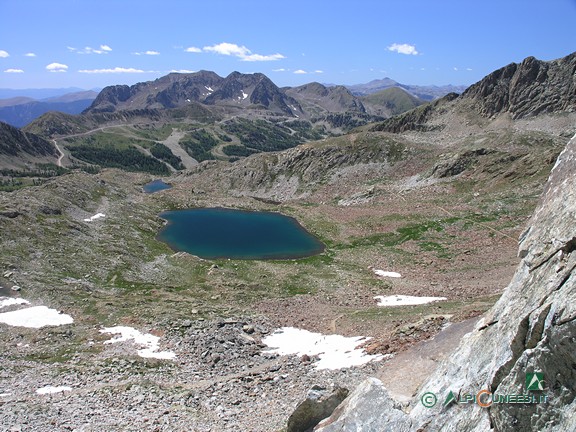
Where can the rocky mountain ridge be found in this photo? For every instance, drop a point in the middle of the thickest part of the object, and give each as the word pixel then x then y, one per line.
pixel 236 91
pixel 178 90
pixel 527 89
pixel 517 91
pixel 19 149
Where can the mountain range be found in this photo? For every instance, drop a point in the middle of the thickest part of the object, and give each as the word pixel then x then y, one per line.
pixel 21 110
pixel 222 117
pixel 242 114
pixel 20 107
pixel 236 92
pixel 426 93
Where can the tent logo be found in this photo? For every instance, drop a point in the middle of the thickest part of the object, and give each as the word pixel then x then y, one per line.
pixel 535 381
pixel 450 398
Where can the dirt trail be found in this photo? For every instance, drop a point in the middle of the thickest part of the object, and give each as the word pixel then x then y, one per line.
pixel 172 143
pixel 59 161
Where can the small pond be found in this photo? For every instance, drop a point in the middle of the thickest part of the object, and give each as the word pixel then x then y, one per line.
pixel 225 233
pixel 156 186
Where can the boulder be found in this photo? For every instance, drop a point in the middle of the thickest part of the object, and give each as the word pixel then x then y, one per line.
pixel 318 405
pixel 368 408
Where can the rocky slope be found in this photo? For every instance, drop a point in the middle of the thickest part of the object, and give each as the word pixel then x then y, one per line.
pixel 299 171
pixel 516 91
pixel 534 324
pixel 19 149
pixel 527 89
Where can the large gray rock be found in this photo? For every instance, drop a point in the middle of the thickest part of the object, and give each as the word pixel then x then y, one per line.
pixel 532 328
pixel 369 408
pixel 319 404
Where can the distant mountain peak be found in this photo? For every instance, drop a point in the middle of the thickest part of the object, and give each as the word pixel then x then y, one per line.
pixel 427 93
pixel 178 90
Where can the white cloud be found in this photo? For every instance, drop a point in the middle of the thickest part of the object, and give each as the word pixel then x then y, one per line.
pixel 300 72
pixel 4 54
pixel 455 68
pixel 30 54
pixel 149 52
pixel 241 52
pixel 14 71
pixel 193 50
pixel 403 49
pixel 115 70
pixel 182 71
pixel 279 70
pixel 468 69
pixel 56 67
pixel 104 49
pixel 226 48
pixel 318 71
pixel 259 57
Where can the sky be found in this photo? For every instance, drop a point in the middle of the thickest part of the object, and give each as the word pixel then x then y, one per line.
pixel 94 43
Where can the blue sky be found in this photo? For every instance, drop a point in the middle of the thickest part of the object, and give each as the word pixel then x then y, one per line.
pixel 94 43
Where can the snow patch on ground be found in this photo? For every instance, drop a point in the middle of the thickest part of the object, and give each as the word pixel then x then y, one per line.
pixel 383 273
pixel 404 300
pixel 244 95
pixel 8 301
pixel 53 389
pixel 93 218
pixel 35 317
pixel 334 351
pixel 149 341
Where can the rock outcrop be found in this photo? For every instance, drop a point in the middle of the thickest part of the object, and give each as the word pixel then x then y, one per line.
pixel 18 148
pixel 280 175
pixel 532 328
pixel 527 89
pixel 319 404
pixel 520 91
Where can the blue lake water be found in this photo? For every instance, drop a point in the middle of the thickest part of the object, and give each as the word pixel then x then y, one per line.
pixel 225 233
pixel 156 186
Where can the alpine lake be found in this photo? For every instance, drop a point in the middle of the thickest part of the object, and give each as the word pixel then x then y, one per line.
pixel 214 233
pixel 156 186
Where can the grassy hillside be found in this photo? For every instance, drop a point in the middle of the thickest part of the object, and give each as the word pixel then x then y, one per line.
pixel 395 100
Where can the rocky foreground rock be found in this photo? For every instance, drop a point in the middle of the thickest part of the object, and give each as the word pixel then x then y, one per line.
pixel 527 337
